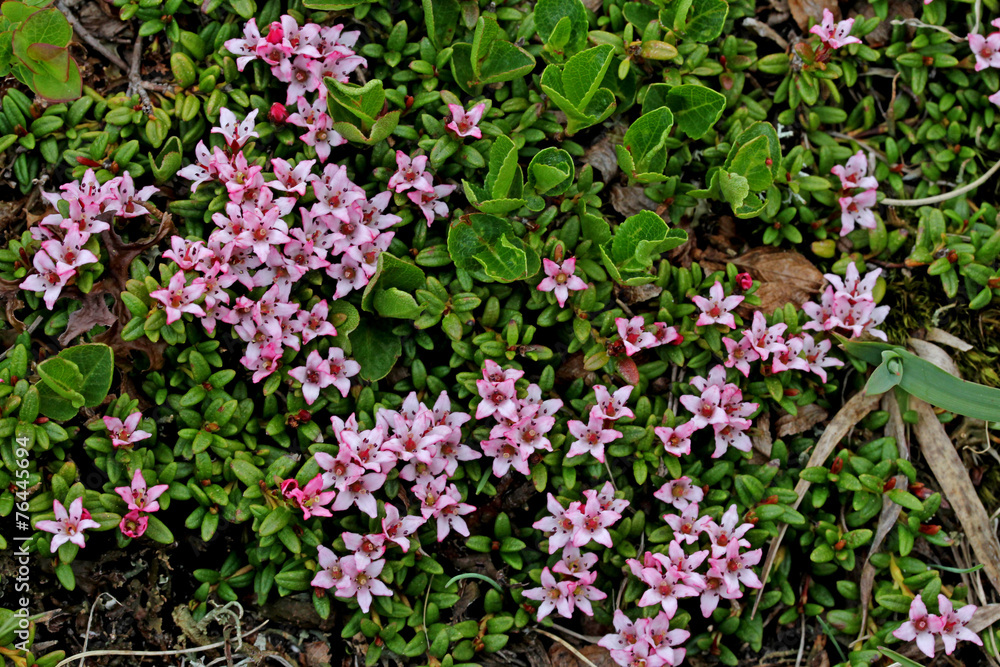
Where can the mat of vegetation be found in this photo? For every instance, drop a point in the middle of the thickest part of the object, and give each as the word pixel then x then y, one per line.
pixel 551 333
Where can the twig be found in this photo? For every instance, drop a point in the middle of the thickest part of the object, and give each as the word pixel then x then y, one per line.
pixel 572 649
pixel 917 23
pixel 590 639
pixel 90 620
pixel 135 81
pixel 90 39
pixel 937 199
pixel 978 11
pixel 197 649
pixel 802 643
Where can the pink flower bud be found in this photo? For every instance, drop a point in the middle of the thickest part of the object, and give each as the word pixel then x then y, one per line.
pixel 276 34
pixel 278 113
pixel 744 281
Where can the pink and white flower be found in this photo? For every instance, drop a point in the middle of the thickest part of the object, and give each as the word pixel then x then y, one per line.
pixel 68 525
pixel 716 309
pixel 466 123
pixel 560 279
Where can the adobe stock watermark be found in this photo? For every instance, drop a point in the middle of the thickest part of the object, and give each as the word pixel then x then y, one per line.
pixel 22 523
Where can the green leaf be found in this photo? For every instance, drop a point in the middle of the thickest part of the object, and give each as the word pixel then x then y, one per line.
pixel 898 657
pixel 706 20
pixel 392 272
pixel 51 61
pixel 63 378
pixel 493 58
pixel 551 171
pixel 16 12
pixel 247 472
pixel 485 245
pixel 504 181
pixel 696 108
pixel 576 87
pixel 474 575
pixel 96 361
pixel 734 187
pixel 277 519
pixel 639 240
pixel 376 348
pixel 394 302
pixel 442 18
pixel 549 13
pixel 363 102
pixel 157 531
pixel 646 140
pixel 55 90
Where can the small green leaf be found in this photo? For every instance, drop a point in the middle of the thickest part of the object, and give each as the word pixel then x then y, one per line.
pixel 376 348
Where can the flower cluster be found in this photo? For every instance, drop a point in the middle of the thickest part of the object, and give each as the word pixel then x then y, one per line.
pixel 428 442
pixel 676 574
pixel 522 423
pixel 720 406
pixel 141 503
pixel 949 626
pixel 856 209
pixel 412 174
pixel 68 525
pixel 592 436
pixel 570 529
pixel 832 34
pixel 342 233
pixel 648 641
pixel 82 211
pixel 634 336
pixel 848 305
pixel 299 56
pixel 762 343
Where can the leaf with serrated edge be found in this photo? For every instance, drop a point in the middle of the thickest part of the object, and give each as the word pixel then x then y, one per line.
pixel 696 108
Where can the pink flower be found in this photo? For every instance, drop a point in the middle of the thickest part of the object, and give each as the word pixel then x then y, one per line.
pixel 134 524
pixel 312 499
pixel 676 441
pixel 138 497
pixel 290 179
pixel 120 196
pixel 68 526
pixel 995 98
pixel 398 529
pixel 680 493
pixel 236 134
pixel 465 124
pixel 410 174
pixel 431 203
pixel 763 339
pixel 727 531
pixel 179 298
pixel 554 596
pixel 613 406
pixel 594 525
pixel 706 409
pixel 953 624
pixel 52 276
pixel 330 572
pixel 665 588
pixel 584 593
pixel 857 210
pixel 450 515
pixel 277 114
pixel 314 322
pixel 359 493
pixel 986 50
pixel 315 375
pixel 366 548
pixel 815 355
pixel 560 524
pixel 574 563
pixel 736 567
pixel 560 279
pixel 834 35
pixel 922 627
pixel 855 173
pixel 125 434
pixel 591 437
pixel 741 354
pixel 360 581
pixel 715 310
pixel 744 281
pixel 498 399
pixel 342 369
pixel 687 527
pixel 633 334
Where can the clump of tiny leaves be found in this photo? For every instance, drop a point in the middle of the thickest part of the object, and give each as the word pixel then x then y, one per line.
pixel 419 304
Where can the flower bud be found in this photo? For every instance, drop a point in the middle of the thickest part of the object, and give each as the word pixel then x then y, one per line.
pixel 278 113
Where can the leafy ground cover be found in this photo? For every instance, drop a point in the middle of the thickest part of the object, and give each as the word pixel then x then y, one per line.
pixel 457 333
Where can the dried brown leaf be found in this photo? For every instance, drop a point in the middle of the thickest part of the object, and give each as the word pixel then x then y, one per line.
pixel 809 416
pixel 941 336
pixel 638 293
pixel 121 253
pixel 760 435
pixel 803 10
pixel 94 313
pixel 785 275
pixel 561 656
pixel 601 156
pixel 956 486
pixel 853 411
pixel 631 201
pixel 316 654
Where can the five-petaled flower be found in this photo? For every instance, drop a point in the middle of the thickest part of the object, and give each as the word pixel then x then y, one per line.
pixel 68 525
pixel 559 278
